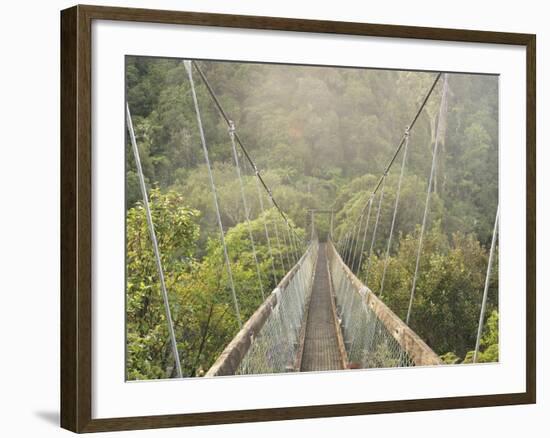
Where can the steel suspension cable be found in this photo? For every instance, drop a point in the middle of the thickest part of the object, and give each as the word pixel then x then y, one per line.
pixel 299 272
pixel 401 143
pixel 286 244
pixel 397 195
pixel 486 288
pixel 345 240
pixel 340 244
pixel 294 254
pixel 331 230
pixel 407 130
pixel 365 235
pixel 296 246
pixel 381 197
pixel 442 108
pixel 350 244
pixel 312 225
pixel 268 239
pixel 340 241
pixel 239 141
pixel 279 245
pixel 154 241
pixel 245 206
pixel 344 245
pixel 347 243
pixel 354 263
pixel 342 237
pixel 214 195
pixel 353 259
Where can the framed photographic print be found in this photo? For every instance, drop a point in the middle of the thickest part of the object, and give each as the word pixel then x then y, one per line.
pixel 268 218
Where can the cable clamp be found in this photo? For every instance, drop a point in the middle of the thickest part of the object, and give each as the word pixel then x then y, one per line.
pixel 407 131
pixel 231 127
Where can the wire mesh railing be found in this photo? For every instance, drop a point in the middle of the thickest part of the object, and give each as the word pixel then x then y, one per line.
pixel 269 341
pixel 374 337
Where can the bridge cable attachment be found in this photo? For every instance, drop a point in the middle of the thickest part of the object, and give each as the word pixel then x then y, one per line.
pixel 375 229
pixel 392 227
pixel 266 231
pixel 357 237
pixel 214 194
pixel 442 111
pixel 486 288
pixel 407 129
pixel 278 240
pixel 364 235
pixel 154 241
pixel 245 207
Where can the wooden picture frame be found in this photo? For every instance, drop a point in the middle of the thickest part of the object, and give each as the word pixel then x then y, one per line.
pixel 76 217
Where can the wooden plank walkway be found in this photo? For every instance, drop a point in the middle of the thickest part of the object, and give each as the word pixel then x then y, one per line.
pixel 321 351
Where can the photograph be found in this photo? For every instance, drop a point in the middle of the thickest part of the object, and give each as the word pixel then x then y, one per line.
pixel 285 218
pixel 273 220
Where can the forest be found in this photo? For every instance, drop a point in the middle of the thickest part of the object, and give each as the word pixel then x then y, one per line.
pixel 321 137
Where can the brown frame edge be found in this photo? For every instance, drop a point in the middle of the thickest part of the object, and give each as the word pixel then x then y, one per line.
pixel 76 238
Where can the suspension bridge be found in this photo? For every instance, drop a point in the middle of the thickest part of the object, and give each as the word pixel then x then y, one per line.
pixel 321 315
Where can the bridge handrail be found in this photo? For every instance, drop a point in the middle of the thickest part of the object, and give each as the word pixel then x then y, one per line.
pixel 229 360
pixel 409 341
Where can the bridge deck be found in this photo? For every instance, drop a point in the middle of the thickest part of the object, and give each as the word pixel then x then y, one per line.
pixel 321 352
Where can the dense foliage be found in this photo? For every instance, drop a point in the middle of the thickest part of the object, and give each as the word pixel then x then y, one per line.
pixel 321 137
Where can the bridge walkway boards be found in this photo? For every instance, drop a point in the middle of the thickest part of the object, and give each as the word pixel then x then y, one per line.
pixel 320 352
